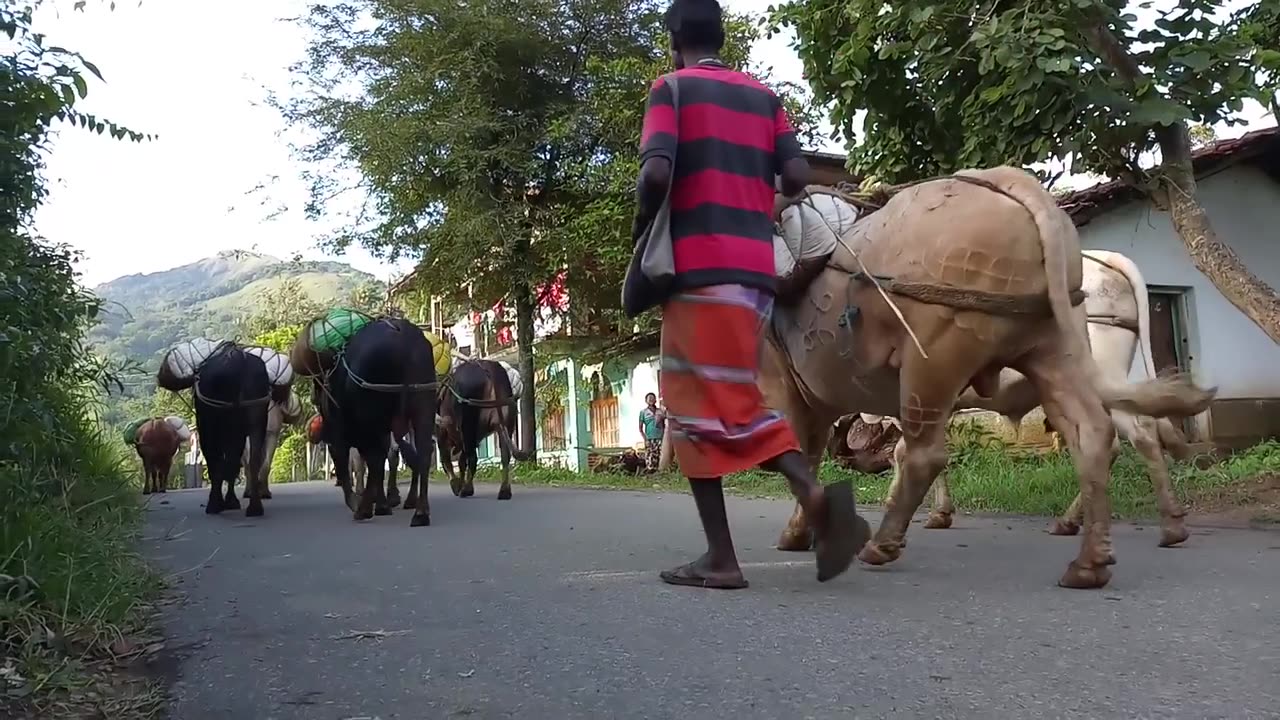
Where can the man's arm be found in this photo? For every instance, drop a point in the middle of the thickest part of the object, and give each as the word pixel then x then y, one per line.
pixel 788 160
pixel 658 140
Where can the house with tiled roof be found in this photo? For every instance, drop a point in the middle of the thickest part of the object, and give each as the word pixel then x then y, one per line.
pixel 1194 327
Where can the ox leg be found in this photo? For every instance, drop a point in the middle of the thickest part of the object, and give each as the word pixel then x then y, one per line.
pixel 940 516
pixel 470 462
pixel 1069 522
pixel 420 459
pixel 504 439
pixel 146 475
pixel 268 453
pixel 1143 433
pixel 446 462
pixel 340 454
pixel 415 478
pixel 393 466
pixel 366 492
pixel 813 430
pixel 254 473
pixel 927 399
pixel 1073 406
pixel 230 501
pixel 377 482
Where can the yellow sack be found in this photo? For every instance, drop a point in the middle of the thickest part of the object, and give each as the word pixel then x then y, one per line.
pixel 440 352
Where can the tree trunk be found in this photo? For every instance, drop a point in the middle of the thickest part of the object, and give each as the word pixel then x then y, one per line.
pixel 1218 262
pixel 524 333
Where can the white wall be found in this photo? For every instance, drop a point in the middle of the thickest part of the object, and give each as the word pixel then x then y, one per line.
pixel 1226 348
pixel 643 380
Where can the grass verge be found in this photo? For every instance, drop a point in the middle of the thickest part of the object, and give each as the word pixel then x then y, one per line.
pixel 73 590
pixel 985 476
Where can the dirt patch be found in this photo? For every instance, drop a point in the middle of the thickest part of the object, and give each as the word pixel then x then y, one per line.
pixel 1252 502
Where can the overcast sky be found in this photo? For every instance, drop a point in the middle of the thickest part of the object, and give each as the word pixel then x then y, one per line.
pixel 194 75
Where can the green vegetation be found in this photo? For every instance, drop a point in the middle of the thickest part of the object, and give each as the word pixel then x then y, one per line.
pixel 501 135
pixel 952 84
pixel 71 584
pixel 985 476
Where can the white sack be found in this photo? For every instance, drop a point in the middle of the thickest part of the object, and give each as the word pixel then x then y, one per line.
pixel 180 426
pixel 807 230
pixel 517 385
pixel 278 369
pixel 184 358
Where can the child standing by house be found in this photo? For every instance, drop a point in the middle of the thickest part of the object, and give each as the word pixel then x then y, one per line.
pixel 652 420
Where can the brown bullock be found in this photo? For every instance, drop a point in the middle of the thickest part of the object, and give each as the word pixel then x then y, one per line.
pixel 157 442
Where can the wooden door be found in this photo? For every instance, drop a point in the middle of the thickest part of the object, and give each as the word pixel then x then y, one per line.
pixel 1166 350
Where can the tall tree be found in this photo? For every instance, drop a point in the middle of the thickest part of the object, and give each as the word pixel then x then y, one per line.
pixel 951 84
pixel 495 139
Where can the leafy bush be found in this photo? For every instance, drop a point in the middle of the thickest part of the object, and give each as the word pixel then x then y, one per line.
pixel 68 515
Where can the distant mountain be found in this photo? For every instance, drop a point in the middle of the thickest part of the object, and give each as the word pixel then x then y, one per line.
pixel 145 314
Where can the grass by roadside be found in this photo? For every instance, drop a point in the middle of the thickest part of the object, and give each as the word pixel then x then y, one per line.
pixel 985 476
pixel 73 590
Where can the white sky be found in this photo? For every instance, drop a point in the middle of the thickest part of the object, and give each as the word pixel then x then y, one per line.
pixel 195 74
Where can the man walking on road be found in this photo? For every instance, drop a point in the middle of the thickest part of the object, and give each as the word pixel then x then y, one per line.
pixel 728 137
pixel 651 422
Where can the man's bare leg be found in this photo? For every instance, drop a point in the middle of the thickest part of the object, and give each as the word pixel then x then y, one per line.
pixel 718 568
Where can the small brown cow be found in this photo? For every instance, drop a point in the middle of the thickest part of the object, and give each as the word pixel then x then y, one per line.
pixel 157 442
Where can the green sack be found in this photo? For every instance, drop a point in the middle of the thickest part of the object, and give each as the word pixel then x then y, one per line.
pixel 331 332
pixel 131 431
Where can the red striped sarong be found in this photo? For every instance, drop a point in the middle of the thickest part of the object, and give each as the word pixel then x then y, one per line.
pixel 710 361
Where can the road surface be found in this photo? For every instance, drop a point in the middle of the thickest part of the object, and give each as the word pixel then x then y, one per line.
pixel 549 606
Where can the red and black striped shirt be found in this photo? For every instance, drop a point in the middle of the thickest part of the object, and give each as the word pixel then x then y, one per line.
pixel 730 140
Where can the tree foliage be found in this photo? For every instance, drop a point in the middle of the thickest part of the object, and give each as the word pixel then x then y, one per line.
pixel 68 517
pixel 496 141
pixel 949 84
pixel 952 84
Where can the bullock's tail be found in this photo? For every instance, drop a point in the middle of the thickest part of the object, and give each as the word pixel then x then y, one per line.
pixel 1158 397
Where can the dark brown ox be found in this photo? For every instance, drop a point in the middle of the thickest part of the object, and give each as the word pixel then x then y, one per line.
pixel 477 402
pixel 157 442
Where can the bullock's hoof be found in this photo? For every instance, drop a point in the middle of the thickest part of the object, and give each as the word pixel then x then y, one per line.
pixel 420 520
pixel 362 513
pixel 873 554
pixel 456 487
pixel 393 501
pixel 410 503
pixel 254 509
pixel 504 493
pixel 382 510
pixel 937 521
pixel 468 491
pixel 1082 578
pixel 1174 535
pixel 212 508
pixel 146 491
pixel 266 495
pixel 231 503
pixel 1064 527
pixel 793 541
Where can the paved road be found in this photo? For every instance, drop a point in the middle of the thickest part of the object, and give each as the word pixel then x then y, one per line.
pixel 548 606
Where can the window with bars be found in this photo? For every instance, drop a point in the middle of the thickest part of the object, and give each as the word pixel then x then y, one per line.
pixel 554 434
pixel 604 421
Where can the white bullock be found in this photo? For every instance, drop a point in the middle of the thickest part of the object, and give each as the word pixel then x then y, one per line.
pixel 1116 310
pixel 278 415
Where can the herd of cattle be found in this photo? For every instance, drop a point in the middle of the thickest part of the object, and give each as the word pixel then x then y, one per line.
pixel 982 267
pixel 386 395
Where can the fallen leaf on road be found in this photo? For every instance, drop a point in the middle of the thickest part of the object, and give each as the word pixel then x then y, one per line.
pixel 467 674
pixel 367 634
pixel 332 615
